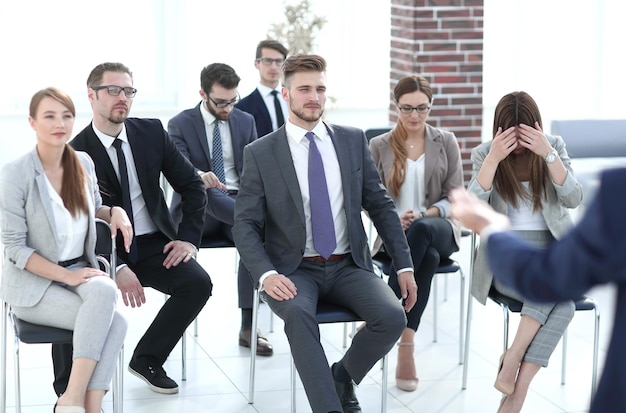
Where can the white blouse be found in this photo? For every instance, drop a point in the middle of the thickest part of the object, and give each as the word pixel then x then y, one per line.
pixel 524 218
pixel 70 232
pixel 412 192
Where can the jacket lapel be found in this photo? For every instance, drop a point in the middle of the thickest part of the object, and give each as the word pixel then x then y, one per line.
pixel 198 125
pixel 288 171
pixel 340 142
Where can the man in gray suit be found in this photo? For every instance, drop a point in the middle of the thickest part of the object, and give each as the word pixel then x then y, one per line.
pixel 299 231
pixel 212 136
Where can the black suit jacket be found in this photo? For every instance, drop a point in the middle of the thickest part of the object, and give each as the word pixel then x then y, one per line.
pixel 154 153
pixel 255 105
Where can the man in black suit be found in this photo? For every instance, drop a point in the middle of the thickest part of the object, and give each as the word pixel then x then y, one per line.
pixel 160 257
pixel 265 103
pixel 299 231
pixel 212 136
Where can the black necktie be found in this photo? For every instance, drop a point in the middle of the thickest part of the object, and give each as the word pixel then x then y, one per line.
pixel 127 204
pixel 280 119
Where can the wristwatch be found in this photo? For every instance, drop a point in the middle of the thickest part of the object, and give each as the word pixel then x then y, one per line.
pixel 551 156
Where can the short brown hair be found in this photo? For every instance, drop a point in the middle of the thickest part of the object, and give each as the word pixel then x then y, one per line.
pixel 95 77
pixel 302 63
pixel 271 44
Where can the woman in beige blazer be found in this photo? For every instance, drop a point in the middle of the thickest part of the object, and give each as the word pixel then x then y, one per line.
pixel 525 174
pixel 48 200
pixel 419 165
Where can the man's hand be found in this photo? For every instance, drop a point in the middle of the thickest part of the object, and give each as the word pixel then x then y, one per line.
pixel 210 180
pixel 474 213
pixel 279 287
pixel 121 222
pixel 177 251
pixel 408 288
pixel 130 287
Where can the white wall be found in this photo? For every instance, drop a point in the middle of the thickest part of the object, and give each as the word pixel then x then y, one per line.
pixel 565 53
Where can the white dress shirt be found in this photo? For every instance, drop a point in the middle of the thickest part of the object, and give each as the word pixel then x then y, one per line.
pixel 412 192
pixel 142 222
pixel 230 173
pixel 268 98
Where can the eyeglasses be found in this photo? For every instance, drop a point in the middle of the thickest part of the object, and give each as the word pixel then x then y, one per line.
pixel 407 110
pixel 268 62
pixel 223 104
pixel 113 90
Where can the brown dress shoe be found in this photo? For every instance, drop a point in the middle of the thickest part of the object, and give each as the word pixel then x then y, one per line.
pixel 263 346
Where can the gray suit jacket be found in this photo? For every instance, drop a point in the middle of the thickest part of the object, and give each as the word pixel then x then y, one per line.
pixel 269 228
pixel 554 209
pixel 28 226
pixel 442 170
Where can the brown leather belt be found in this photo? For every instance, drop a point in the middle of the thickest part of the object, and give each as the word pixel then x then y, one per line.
pixel 319 258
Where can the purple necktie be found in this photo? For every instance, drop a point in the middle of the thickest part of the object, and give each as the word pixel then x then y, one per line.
pixel 321 215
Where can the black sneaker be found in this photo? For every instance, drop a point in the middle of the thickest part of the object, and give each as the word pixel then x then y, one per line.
pixel 155 376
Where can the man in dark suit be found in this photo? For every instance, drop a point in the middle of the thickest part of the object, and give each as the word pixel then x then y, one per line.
pixel 216 125
pixel 299 231
pixel 160 256
pixel 592 253
pixel 265 102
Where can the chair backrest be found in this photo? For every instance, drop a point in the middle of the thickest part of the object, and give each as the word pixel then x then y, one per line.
pixel 371 133
pixel 105 246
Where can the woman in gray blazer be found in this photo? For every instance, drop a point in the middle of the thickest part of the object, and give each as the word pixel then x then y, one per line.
pixel 419 165
pixel 525 174
pixel 48 200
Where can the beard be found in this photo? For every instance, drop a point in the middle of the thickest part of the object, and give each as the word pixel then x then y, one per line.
pixel 218 116
pixel 310 117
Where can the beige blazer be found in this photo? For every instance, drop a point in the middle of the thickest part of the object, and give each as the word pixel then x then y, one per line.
pixel 27 224
pixel 442 169
pixel 554 209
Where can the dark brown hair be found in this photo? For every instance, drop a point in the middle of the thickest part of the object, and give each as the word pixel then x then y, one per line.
pixel 302 63
pixel 73 184
pixel 271 44
pixel 407 84
pixel 515 108
pixel 95 77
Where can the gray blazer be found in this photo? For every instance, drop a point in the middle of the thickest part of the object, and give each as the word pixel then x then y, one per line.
pixel 442 171
pixel 269 228
pixel 554 209
pixel 27 224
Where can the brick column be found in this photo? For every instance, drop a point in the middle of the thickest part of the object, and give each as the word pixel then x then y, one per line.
pixel 442 40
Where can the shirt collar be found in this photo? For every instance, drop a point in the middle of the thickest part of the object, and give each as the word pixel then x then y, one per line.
pixel 266 91
pixel 107 140
pixel 296 133
pixel 206 115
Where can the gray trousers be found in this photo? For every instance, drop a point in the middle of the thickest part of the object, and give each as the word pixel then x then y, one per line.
pixel 88 310
pixel 343 283
pixel 553 317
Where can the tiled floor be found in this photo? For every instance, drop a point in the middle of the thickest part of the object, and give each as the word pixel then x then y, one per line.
pixel 217 371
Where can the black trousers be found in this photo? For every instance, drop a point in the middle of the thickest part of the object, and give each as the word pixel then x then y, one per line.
pixel 189 287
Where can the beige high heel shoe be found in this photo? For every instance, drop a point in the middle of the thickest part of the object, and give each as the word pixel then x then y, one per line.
pixel 500 386
pixel 406 384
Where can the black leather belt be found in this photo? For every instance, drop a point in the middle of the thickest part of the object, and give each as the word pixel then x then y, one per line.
pixel 232 192
pixel 319 258
pixel 69 262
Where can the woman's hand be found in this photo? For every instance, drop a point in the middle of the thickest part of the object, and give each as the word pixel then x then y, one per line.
pixel 503 144
pixel 121 222
pixel 534 139
pixel 407 219
pixel 82 275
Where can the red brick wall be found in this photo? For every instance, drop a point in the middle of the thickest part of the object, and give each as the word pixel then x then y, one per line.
pixel 442 40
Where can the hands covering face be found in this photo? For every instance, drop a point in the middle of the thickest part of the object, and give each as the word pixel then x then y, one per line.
pixel 517 137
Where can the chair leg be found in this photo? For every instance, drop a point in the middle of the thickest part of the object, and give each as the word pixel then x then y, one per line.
pixel 434 299
pixel 16 367
pixel 184 355
pixel 505 344
pixel 292 374
pixel 118 386
pixel 468 321
pixel 564 359
pixel 195 327
pixel 596 341
pixel 383 401
pixel 461 315
pixel 3 359
pixel 253 344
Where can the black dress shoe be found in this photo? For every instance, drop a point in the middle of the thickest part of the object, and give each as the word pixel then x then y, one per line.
pixel 263 346
pixel 155 376
pixel 348 399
